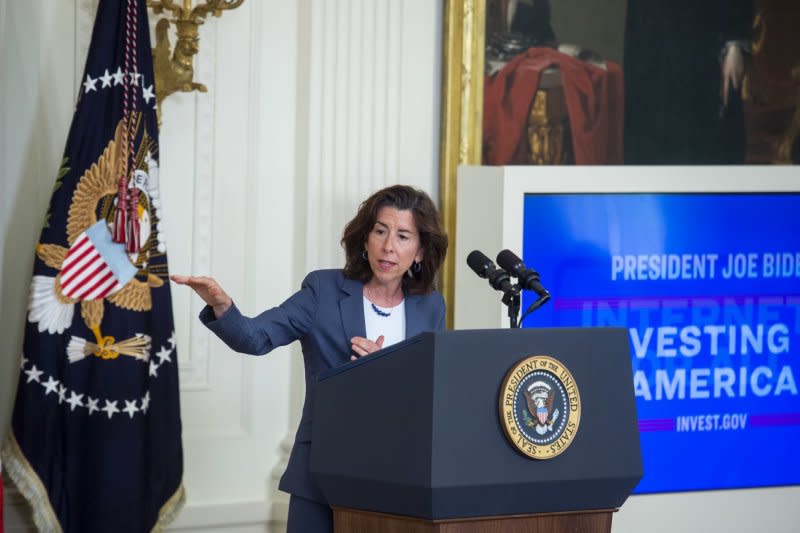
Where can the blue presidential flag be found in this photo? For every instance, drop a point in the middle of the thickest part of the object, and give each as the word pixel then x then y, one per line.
pixel 95 443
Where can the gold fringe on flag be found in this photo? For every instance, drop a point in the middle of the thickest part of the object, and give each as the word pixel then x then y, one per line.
pixel 29 485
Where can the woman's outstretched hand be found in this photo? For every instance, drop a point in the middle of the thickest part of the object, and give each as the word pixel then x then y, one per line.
pixel 209 290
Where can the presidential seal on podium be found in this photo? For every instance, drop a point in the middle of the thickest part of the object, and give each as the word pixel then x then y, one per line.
pixel 540 407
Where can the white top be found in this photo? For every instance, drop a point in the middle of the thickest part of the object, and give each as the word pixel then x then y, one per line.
pixel 392 327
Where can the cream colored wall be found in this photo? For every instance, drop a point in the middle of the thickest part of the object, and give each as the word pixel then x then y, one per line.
pixel 311 106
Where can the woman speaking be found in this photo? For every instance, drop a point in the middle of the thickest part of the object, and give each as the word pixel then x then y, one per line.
pixel 394 247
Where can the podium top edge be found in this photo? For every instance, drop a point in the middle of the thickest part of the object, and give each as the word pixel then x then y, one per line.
pixel 330 372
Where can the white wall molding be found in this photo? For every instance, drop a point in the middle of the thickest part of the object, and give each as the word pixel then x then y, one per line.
pixel 195 364
pixel 367 127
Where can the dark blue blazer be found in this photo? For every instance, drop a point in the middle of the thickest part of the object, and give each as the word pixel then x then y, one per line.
pixel 324 315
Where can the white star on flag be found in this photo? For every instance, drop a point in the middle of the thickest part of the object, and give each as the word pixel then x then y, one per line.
pixel 134 77
pixel 22 361
pixel 62 393
pixel 75 400
pixel 110 408
pixel 33 374
pixel 147 93
pixel 163 355
pixel 50 385
pixel 89 84
pixel 91 404
pixel 106 79
pixel 172 340
pixel 153 369
pixel 119 76
pixel 130 407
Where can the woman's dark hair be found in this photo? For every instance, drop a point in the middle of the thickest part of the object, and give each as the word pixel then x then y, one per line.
pixel 432 237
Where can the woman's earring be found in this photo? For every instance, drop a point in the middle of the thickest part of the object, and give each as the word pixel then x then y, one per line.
pixel 364 255
pixel 416 267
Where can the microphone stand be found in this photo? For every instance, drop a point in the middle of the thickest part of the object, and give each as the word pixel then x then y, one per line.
pixel 512 300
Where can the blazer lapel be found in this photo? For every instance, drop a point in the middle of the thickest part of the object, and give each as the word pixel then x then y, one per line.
pixel 414 324
pixel 351 308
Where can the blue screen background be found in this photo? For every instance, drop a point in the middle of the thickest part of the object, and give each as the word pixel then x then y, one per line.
pixel 732 429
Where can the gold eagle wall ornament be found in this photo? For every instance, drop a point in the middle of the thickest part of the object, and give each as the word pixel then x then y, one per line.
pixel 173 69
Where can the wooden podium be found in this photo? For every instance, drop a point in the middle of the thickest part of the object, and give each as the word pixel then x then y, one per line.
pixel 354 521
pixel 410 439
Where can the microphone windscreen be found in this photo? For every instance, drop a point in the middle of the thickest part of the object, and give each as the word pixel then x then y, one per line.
pixel 478 262
pixel 508 261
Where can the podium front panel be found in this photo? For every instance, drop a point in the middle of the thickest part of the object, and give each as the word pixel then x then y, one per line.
pixel 416 430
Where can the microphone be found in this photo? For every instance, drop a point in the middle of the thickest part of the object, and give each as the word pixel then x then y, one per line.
pixel 484 268
pixel 528 278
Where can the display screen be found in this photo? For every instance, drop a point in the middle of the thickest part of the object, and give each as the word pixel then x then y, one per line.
pixel 708 286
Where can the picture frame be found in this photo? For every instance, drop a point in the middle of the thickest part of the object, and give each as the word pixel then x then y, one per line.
pixel 770 90
pixel 461 115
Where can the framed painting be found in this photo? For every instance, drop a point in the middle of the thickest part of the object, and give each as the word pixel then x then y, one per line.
pixel 616 82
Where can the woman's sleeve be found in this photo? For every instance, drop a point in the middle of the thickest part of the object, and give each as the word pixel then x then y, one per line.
pixel 274 327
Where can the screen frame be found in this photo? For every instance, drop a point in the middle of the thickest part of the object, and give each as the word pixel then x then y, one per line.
pixel 489 218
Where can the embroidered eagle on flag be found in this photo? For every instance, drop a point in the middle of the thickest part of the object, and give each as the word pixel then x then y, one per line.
pixel 94 268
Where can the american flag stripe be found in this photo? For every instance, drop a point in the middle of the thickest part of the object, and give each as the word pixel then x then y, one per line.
pixel 92 272
pixel 76 255
pixel 103 286
pixel 77 280
pixel 81 245
pixel 78 267
pixel 77 247
pixel 86 273
pixel 100 275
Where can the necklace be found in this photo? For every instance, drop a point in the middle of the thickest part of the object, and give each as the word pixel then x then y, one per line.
pixel 378 310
